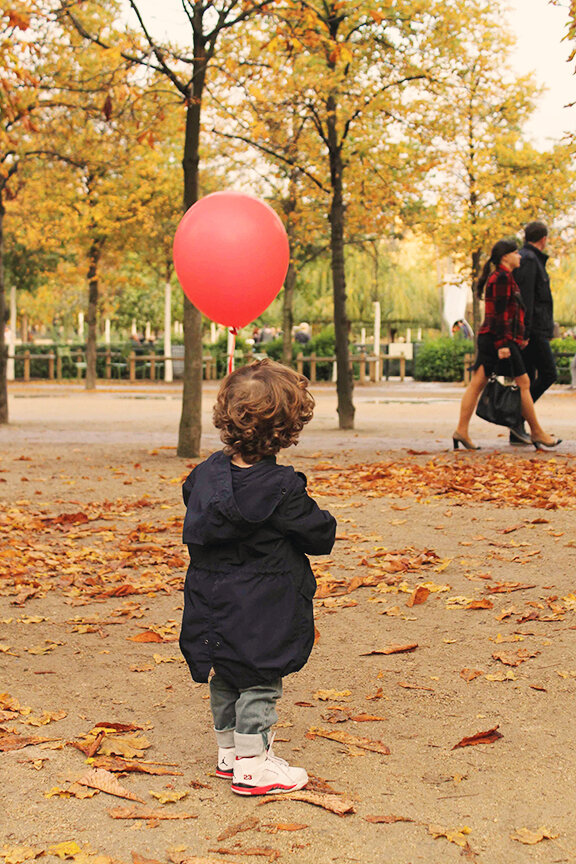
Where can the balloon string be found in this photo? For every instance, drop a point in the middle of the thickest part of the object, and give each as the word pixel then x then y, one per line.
pixel 233 332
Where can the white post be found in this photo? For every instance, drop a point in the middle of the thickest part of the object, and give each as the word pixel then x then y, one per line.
pixel 230 350
pixel 377 367
pixel 10 372
pixel 107 331
pixel 81 325
pixel 168 365
pixel 419 335
pixel 408 334
pixel 213 333
pixel 134 331
pixel 147 331
pixel 363 336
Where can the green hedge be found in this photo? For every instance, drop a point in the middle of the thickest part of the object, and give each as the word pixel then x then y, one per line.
pixel 564 346
pixel 442 359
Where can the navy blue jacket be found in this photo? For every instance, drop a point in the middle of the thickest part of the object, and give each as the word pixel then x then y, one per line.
pixel 248 594
pixel 534 283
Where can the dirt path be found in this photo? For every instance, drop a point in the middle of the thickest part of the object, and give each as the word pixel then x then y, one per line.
pixel 90 558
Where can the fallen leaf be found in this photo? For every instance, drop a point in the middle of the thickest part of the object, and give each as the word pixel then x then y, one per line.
pixel 392 649
pixel 387 820
pixel 525 835
pixel 346 738
pixel 333 803
pixel 418 596
pixel 480 738
pixel 19 854
pixel 332 695
pixel 147 813
pixel 146 636
pixel 17 742
pixel 168 797
pixel 245 825
pixel 457 835
pixel 511 659
pixel 64 850
pixel 117 763
pixel 470 674
pixel 263 851
pixel 480 604
pixel 105 781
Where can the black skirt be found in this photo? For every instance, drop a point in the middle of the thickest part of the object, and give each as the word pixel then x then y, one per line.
pixel 487 357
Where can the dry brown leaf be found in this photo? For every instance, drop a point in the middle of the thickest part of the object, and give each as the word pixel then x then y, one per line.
pixel 138 859
pixel 169 797
pixel 284 826
pixel 418 596
pixel 387 820
pixel 487 737
pixel 116 763
pixel 332 695
pixel 470 674
pixel 333 803
pixel 507 587
pixel 391 649
pixel 350 740
pixel 480 604
pixel 17 742
pixel 98 778
pixel 456 835
pixel 245 825
pixel 408 686
pixel 510 658
pixel 19 854
pixel 146 636
pixel 525 835
pixel 147 813
pixel 263 851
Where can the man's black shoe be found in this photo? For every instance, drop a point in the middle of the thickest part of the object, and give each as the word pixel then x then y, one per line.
pixel 519 436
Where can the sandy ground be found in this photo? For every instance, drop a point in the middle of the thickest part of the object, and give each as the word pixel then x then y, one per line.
pixel 66 648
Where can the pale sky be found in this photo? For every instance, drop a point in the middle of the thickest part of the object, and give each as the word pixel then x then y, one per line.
pixel 537 26
pixel 539 29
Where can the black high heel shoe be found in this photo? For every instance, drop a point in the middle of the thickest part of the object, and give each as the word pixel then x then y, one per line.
pixel 458 439
pixel 542 445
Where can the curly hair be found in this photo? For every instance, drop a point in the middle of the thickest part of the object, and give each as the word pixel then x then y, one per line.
pixel 261 409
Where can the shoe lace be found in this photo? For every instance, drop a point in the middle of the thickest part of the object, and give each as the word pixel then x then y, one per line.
pixel 272 756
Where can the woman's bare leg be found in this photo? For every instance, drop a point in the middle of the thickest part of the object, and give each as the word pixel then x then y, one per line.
pixel 470 400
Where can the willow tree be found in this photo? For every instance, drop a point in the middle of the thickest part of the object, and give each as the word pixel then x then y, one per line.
pixel 489 179
pixel 185 69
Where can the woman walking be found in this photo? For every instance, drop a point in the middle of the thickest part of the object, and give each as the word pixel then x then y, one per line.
pixel 501 337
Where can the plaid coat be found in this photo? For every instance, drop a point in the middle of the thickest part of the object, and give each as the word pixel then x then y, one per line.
pixel 504 309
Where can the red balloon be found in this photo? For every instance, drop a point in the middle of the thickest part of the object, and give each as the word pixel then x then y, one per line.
pixel 231 256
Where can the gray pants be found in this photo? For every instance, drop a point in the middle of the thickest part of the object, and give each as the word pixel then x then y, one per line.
pixel 242 718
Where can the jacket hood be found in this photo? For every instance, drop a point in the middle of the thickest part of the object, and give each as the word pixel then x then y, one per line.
pixel 215 514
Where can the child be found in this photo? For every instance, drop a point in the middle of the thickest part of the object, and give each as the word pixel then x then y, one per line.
pixel 248 611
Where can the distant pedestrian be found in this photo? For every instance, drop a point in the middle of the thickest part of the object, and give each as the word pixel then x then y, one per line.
pixel 501 337
pixel 248 613
pixel 534 283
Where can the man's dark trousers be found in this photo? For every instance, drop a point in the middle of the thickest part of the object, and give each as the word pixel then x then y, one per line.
pixel 540 365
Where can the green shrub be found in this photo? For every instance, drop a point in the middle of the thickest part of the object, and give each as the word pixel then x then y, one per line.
pixel 564 346
pixel 442 359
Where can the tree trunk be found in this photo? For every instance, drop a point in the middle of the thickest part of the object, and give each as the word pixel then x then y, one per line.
pixel 345 382
pixel 190 429
pixel 287 313
pixel 3 383
pixel 476 255
pixel 92 317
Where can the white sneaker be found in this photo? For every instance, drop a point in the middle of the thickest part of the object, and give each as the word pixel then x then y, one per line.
pixel 225 765
pixel 266 774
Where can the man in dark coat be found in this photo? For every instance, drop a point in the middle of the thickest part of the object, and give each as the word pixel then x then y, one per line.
pixel 534 284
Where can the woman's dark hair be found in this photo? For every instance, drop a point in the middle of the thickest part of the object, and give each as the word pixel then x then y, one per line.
pixel 261 408
pixel 499 250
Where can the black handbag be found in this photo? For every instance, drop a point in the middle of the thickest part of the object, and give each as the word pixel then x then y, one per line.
pixel 500 402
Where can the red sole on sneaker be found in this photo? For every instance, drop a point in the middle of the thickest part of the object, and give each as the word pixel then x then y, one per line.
pixel 244 789
pixel 226 775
